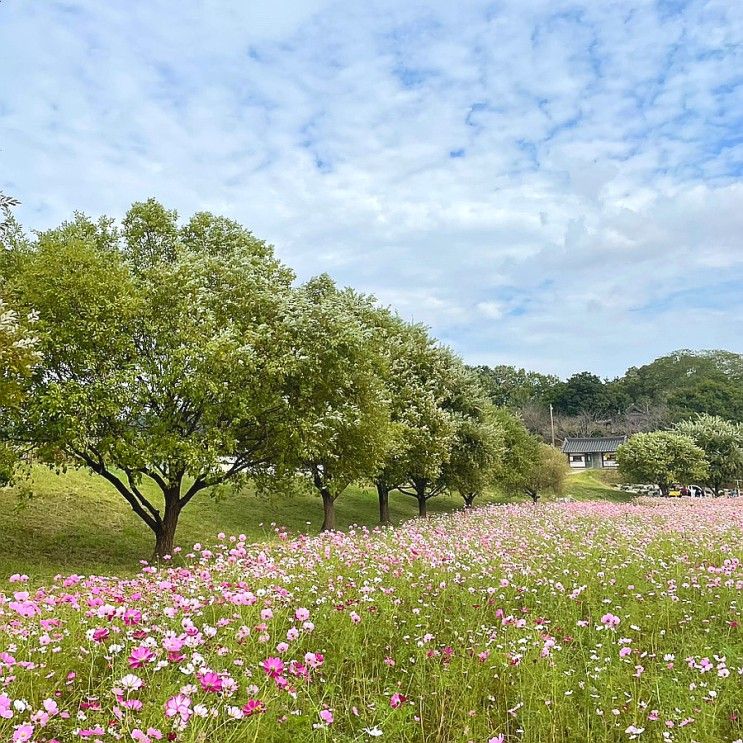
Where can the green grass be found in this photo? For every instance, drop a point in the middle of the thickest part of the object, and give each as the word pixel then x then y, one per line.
pixel 596 485
pixel 76 522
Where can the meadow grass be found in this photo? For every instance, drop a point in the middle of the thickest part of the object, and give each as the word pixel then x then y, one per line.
pixel 580 621
pixel 77 522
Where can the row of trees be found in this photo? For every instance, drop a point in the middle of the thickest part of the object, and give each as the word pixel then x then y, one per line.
pixel 185 355
pixel 706 450
pixel 647 398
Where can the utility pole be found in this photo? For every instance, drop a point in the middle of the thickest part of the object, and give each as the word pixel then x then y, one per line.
pixel 552 425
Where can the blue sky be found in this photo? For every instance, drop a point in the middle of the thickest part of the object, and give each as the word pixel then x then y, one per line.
pixel 556 185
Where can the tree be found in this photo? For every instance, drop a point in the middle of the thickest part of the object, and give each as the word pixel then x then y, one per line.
pixel 475 453
pixel 163 356
pixel 433 462
pixel 582 393
pixel 510 387
pixel 547 473
pixel 339 407
pixel 18 356
pixel 418 382
pixel 6 204
pixel 661 457
pixel 722 443
pixel 528 466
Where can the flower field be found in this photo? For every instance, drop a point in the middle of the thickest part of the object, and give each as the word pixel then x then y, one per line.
pixel 568 622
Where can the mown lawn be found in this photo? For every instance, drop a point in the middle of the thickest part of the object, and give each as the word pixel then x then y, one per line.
pixel 76 522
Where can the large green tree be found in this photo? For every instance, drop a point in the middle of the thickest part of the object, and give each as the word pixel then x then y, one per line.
pixel 340 417
pixel 527 466
pixel 475 455
pixel 722 443
pixel 18 356
pixel 418 382
pixel 661 457
pixel 164 354
pixel 436 456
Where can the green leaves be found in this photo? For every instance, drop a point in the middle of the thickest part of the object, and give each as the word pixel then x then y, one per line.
pixel 722 443
pixel 19 355
pixel 661 457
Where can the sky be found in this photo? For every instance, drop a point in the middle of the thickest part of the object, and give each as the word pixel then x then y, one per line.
pixel 552 184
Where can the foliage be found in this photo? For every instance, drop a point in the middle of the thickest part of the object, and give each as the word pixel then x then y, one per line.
pixel 164 355
pixel 722 443
pixel 548 473
pixel 661 457
pixel 339 413
pixel 18 357
pixel 515 472
pixel 6 204
pixel 510 387
pixel 455 436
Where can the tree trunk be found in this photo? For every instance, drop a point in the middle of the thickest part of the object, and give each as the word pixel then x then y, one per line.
pixel 328 507
pixel 533 495
pixel 422 506
pixel 663 489
pixel 384 503
pixel 469 499
pixel 165 531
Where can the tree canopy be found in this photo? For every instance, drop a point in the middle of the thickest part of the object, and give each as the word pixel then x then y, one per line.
pixel 662 457
pixel 722 444
pixel 164 354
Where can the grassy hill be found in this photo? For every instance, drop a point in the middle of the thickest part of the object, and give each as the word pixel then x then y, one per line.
pixel 76 522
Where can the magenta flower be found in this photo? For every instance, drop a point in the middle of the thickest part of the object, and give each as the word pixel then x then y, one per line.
pixel 23 733
pixel 610 620
pixel 327 716
pixel 302 614
pixel 210 681
pixel 397 699
pixel 253 707
pixel 100 634
pixel 179 706
pixel 140 656
pixel 132 617
pixel 273 666
pixel 5 707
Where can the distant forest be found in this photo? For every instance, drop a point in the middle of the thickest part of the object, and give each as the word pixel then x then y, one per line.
pixel 646 398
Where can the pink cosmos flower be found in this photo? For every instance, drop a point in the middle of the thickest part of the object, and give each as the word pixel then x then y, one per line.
pixel 397 699
pixel 5 707
pixel 23 733
pixel 94 732
pixel 302 614
pixel 314 660
pixel 355 618
pixel 210 681
pixel 498 739
pixel 253 707
pixel 179 705
pixel 624 652
pixel 100 634
pixel 140 656
pixel 273 666
pixel 132 617
pixel 610 620
pixel 326 716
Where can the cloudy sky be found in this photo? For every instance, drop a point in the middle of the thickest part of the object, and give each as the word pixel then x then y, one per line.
pixel 553 184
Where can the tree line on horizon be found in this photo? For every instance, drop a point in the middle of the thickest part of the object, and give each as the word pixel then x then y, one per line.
pixel 670 389
pixel 185 355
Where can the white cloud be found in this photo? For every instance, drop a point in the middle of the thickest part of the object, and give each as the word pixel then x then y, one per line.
pixel 535 181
